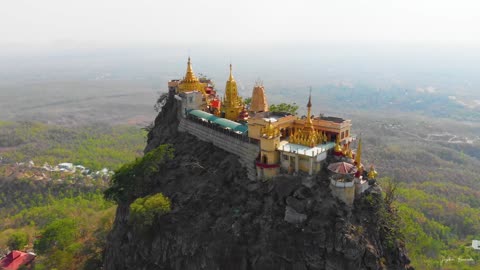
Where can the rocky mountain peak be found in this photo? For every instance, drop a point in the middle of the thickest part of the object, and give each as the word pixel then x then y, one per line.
pixel 220 219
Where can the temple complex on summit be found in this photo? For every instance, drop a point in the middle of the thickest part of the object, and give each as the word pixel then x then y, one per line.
pixel 271 143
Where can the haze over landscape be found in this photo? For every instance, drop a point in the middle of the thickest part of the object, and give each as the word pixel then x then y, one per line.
pixel 428 47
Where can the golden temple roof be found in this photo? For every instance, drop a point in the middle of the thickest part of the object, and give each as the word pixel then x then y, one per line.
pixel 270 131
pixel 307 135
pixel 189 75
pixel 190 82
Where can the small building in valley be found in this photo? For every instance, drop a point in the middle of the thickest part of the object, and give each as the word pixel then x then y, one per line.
pixel 476 244
pixel 16 259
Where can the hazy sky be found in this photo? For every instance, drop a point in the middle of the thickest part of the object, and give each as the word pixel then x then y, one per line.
pixel 107 22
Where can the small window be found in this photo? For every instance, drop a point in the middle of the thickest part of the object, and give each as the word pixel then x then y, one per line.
pixel 346 133
pixel 343 135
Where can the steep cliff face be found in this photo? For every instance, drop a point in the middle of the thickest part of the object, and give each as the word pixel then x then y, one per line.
pixel 222 220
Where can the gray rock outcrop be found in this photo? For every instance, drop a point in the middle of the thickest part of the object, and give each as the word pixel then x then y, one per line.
pixel 222 220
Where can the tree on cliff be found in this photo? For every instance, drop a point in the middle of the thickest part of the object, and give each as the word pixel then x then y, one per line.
pixel 284 107
pixel 143 210
pixel 131 179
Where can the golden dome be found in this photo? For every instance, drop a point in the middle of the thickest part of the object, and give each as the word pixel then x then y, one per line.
pixel 270 131
pixel 189 75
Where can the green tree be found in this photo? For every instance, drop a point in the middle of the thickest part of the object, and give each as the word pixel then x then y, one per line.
pixel 60 259
pixel 131 179
pixel 247 101
pixel 58 234
pixel 143 210
pixel 17 240
pixel 284 107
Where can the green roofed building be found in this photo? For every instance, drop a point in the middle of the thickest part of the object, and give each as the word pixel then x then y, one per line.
pixel 222 122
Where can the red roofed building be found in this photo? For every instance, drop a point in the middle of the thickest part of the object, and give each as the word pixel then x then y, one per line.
pixel 15 259
pixel 342 168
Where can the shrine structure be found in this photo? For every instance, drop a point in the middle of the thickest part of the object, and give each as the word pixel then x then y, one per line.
pixel 274 143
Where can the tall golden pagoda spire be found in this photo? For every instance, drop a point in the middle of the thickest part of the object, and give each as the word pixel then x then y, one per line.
pixel 358 155
pixel 190 82
pixel 372 174
pixel 307 136
pixel 232 104
pixel 189 75
pixel 231 95
pixel 308 122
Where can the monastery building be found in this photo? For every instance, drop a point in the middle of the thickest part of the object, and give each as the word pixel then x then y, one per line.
pixel 271 143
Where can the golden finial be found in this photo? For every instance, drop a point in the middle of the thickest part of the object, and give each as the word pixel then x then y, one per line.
pixel 372 174
pixel 349 153
pixel 338 147
pixel 269 131
pixel 308 122
pixel 230 78
pixel 189 65
pixel 345 149
pixel 309 104
pixel 358 155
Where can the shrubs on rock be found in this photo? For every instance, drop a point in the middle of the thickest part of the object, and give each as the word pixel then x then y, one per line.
pixel 132 179
pixel 144 210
